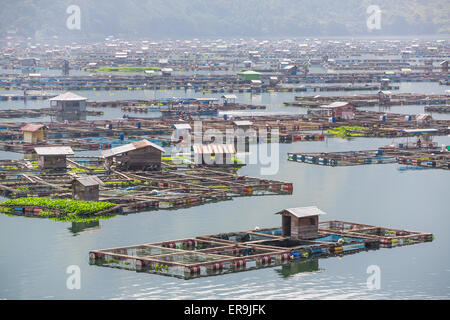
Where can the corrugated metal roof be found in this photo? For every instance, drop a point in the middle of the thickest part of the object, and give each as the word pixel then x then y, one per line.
pixel 301 212
pixel 243 123
pixel 229 96
pixel 49 151
pixel 182 126
pixel 68 96
pixel 32 127
pixel 129 147
pixel 335 104
pixel 90 181
pixel 214 148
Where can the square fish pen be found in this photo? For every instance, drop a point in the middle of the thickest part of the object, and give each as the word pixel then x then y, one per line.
pixel 227 252
pixel 388 237
pixel 188 258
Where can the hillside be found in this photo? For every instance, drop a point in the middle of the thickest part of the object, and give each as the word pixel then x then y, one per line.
pixel 223 18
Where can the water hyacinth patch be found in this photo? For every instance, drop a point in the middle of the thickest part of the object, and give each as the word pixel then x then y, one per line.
pixel 66 206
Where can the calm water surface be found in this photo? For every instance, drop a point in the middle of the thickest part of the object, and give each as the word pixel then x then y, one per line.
pixel 34 253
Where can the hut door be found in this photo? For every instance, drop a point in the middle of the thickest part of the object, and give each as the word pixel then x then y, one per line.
pixel 286 226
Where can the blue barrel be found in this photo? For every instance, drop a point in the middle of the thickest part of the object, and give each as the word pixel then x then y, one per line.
pixel 295 255
pixel 383 117
pixel 110 126
pixel 139 125
pixel 122 136
pixel 225 117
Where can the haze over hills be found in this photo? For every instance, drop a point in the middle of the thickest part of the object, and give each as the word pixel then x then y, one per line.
pixel 222 18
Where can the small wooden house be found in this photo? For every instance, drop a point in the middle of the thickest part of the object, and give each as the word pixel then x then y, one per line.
pixel 444 66
pixel 290 69
pixel 229 98
pixel 255 84
pixel 300 223
pixel 53 157
pixel 34 133
pixel 385 84
pixel 166 71
pixel 242 124
pixel 384 97
pixel 68 103
pixel 339 110
pixel 182 130
pixel 138 155
pixel 249 75
pixel 86 188
pixel 213 154
pixel 273 81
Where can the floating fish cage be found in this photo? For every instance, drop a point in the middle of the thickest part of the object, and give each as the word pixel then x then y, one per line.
pixel 170 188
pixel 429 158
pixel 387 237
pixel 224 253
pixel 346 158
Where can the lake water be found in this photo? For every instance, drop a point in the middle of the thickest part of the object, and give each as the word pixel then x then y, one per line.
pixel 35 253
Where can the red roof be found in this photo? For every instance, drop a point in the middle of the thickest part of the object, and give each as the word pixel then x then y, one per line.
pixel 32 127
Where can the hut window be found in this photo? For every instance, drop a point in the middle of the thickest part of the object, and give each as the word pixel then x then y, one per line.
pixel 312 221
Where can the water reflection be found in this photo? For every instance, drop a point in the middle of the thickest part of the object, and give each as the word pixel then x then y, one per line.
pixel 298 266
pixel 78 227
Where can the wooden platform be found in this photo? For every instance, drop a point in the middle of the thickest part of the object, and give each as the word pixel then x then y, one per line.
pixel 224 253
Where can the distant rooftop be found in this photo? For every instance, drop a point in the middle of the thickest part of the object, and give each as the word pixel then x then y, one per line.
pixel 68 96
pixel 53 151
pixel 301 212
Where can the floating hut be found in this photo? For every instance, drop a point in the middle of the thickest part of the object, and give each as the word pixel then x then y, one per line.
pixel 238 251
pixel 34 133
pixel 229 98
pixel 138 155
pixel 86 188
pixel 384 84
pixel 300 223
pixel 182 130
pixel 444 66
pixel 53 157
pixel 290 69
pixel 338 110
pixel 218 154
pixel 166 71
pixel 68 103
pixel 250 75
pixel 384 97
pixel 242 124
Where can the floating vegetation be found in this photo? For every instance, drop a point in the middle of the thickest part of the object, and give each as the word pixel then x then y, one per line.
pixel 64 206
pixel 348 131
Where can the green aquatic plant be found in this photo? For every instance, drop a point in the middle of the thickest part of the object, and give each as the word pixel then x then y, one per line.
pixel 160 267
pixel 66 206
pixel 347 131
